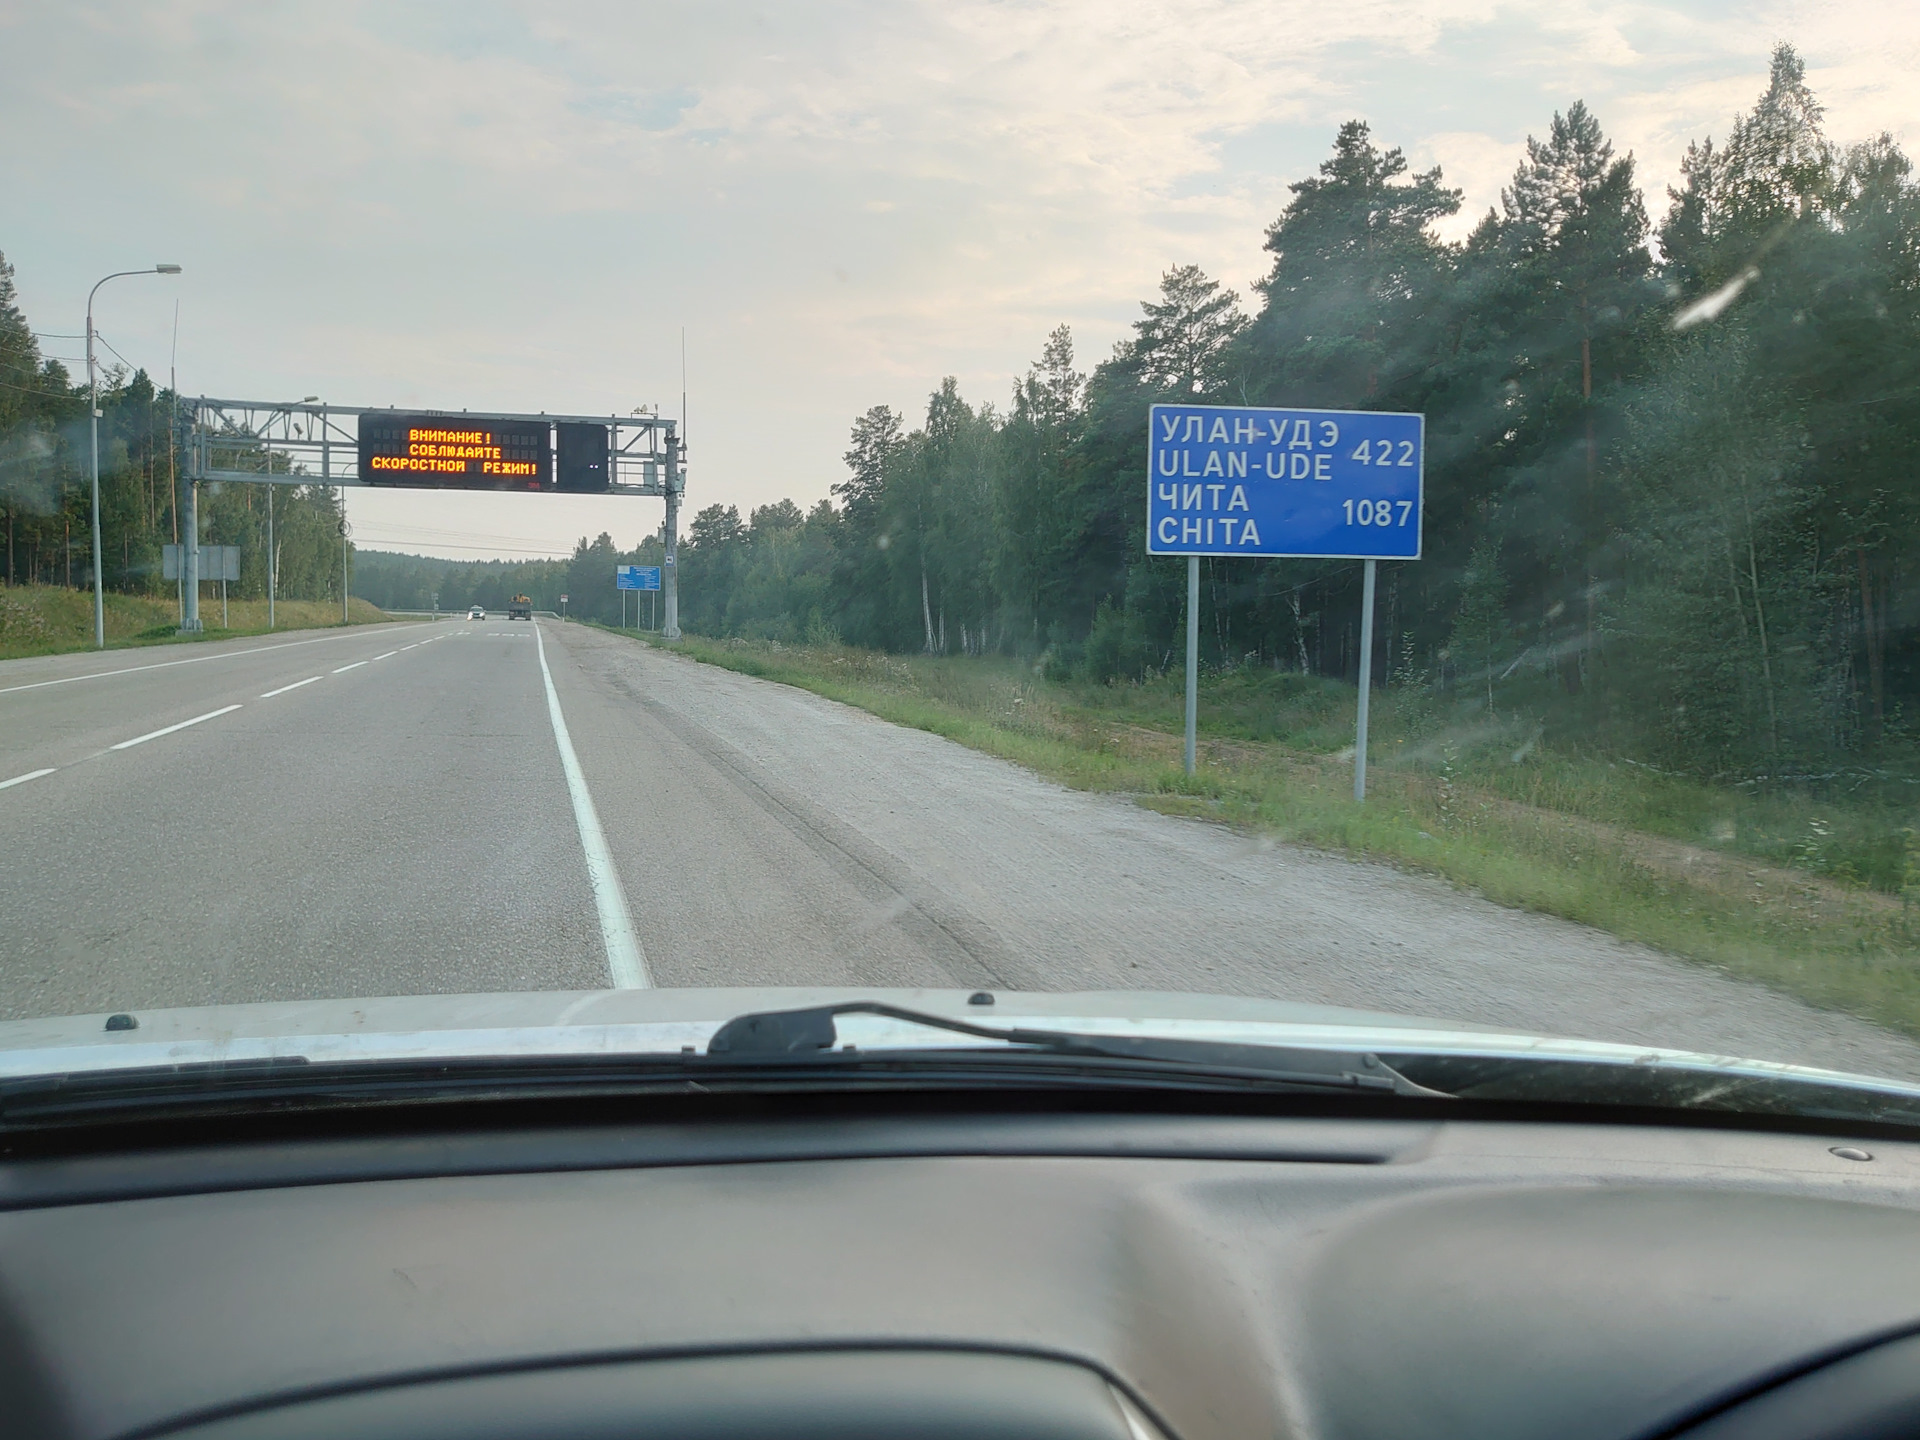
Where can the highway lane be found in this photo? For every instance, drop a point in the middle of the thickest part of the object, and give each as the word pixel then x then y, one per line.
pixel 58 709
pixel 380 814
pixel 389 812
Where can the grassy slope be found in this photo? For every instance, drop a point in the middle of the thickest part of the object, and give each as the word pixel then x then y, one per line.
pixel 49 619
pixel 1689 868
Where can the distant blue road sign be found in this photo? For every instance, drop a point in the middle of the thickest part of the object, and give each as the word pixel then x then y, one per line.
pixel 636 577
pixel 1323 484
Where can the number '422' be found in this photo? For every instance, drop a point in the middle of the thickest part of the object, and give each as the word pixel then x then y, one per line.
pixel 1380 452
pixel 1377 512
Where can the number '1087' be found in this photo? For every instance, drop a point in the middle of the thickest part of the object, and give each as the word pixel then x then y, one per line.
pixel 1377 512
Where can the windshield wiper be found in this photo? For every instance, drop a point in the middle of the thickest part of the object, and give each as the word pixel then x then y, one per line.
pixel 784 1036
pixel 777 1049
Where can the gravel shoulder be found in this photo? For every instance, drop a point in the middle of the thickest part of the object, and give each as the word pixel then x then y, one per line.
pixel 952 867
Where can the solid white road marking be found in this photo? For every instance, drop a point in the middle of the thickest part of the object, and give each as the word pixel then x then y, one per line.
pixel 169 664
pixel 169 729
pixel 626 961
pixel 295 686
pixel 354 666
pixel 22 779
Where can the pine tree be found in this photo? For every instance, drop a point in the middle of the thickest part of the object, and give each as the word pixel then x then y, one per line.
pixel 1181 341
pixel 1355 266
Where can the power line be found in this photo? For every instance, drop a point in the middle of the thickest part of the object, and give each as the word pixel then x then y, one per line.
pixel 51 394
pixel 116 354
pixel 447 545
pixel 487 535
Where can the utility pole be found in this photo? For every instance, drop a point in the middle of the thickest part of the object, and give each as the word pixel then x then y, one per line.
pixel 669 568
pixel 93 424
pixel 173 444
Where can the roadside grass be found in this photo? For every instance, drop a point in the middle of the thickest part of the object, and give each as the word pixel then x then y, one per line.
pixel 51 619
pixel 1809 893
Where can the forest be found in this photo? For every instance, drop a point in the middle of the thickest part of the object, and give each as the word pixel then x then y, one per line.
pixel 1671 464
pixel 46 487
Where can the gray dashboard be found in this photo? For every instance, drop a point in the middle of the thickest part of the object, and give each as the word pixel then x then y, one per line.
pixel 1211 1278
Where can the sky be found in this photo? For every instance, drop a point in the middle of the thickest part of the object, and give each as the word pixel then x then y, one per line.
pixel 521 207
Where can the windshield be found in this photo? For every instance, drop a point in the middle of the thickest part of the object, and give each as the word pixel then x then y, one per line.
pixel 1400 514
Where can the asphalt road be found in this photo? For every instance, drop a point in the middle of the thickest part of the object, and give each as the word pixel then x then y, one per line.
pixel 389 810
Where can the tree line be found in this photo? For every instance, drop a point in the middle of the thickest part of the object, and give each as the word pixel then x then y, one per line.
pixel 46 486
pixel 1671 466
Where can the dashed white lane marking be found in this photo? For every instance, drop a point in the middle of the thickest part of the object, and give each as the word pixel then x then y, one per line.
pixel 169 729
pixel 386 656
pixel 626 961
pixel 295 686
pixel 354 666
pixel 22 779
pixel 169 664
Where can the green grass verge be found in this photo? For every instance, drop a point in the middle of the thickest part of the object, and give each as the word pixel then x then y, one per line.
pixel 1776 888
pixel 51 620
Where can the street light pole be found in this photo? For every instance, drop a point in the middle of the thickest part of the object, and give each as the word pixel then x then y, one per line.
pixel 93 423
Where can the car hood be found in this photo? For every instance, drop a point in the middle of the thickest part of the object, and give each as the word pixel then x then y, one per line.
pixel 612 1023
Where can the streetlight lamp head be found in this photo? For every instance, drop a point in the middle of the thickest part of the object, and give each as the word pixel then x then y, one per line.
pixel 308 400
pixel 166 269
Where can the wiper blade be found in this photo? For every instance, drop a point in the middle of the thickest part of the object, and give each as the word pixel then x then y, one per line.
pixel 771 1050
pixel 788 1035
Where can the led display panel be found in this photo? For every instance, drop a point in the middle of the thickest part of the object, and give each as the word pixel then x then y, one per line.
pixel 582 456
pixel 461 452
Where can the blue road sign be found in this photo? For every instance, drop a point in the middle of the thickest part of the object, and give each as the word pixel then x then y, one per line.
pixel 1246 480
pixel 636 577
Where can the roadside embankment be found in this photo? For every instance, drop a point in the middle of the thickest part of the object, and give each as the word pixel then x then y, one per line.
pixel 1810 894
pixel 51 619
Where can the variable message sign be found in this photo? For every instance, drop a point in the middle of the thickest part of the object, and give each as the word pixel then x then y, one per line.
pixel 1245 480
pixel 467 452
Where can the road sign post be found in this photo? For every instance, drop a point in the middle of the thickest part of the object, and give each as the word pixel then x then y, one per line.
pixel 201 562
pixel 634 577
pixel 1275 483
pixel 1193 659
pixel 669 535
pixel 1366 684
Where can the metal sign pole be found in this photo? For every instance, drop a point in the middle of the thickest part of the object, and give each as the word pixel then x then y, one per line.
pixel 1366 684
pixel 669 571
pixel 269 539
pixel 1193 654
pixel 190 562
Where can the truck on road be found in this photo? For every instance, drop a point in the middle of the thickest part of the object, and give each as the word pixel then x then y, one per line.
pixel 520 608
